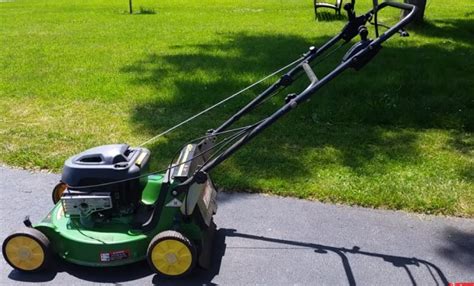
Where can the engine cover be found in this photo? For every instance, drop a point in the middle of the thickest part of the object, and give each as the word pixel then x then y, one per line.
pixel 105 164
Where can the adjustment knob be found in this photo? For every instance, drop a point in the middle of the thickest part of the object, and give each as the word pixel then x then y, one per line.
pixel 363 32
pixel 350 11
pixel 348 7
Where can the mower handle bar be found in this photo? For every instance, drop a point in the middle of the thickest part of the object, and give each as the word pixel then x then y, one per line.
pixel 347 33
pixel 314 86
pixel 375 43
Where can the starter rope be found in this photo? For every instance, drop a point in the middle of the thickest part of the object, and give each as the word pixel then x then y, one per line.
pixel 219 103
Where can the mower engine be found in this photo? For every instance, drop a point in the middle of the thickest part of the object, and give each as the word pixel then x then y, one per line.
pixel 89 196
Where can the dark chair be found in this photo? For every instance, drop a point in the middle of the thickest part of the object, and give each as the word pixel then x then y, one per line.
pixel 319 4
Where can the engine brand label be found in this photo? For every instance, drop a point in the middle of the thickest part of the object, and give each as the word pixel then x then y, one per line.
pixel 114 255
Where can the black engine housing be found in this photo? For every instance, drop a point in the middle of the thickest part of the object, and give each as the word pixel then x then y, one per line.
pixel 109 163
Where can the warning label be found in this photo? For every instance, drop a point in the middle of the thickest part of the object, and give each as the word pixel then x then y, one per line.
pixel 114 255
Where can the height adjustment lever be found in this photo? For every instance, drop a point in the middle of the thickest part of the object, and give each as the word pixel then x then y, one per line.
pixel 365 46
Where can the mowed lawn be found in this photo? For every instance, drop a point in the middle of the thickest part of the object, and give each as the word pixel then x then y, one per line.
pixel 397 134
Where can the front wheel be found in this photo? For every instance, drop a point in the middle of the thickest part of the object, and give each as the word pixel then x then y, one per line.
pixel 171 254
pixel 27 250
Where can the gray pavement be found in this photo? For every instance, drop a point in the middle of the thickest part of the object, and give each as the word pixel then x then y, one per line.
pixel 269 240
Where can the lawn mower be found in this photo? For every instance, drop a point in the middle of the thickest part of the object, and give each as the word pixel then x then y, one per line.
pixel 110 210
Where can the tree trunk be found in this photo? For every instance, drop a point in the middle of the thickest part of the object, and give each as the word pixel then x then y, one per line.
pixel 421 4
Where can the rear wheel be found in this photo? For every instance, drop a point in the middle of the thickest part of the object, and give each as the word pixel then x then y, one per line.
pixel 27 250
pixel 58 191
pixel 171 254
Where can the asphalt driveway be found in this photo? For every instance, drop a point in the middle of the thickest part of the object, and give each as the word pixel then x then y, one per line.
pixel 269 240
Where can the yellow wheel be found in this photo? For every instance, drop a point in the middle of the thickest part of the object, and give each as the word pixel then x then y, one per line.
pixel 171 254
pixel 58 191
pixel 26 250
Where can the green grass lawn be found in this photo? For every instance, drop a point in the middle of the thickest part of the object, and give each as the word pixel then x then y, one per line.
pixel 398 134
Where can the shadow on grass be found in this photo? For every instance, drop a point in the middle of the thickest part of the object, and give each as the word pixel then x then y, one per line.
pixel 463 143
pixel 409 87
pixel 146 11
pixel 329 17
pixel 459 30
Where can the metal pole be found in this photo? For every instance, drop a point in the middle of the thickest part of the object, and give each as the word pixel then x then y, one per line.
pixel 310 56
pixel 310 90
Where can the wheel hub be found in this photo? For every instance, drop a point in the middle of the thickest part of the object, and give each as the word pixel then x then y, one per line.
pixel 171 258
pixel 24 253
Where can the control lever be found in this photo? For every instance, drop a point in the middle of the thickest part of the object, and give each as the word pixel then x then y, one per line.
pixel 350 30
pixel 357 47
pixel 359 62
pixel 311 76
pixel 349 7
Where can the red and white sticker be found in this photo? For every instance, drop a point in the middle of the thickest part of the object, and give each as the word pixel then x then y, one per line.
pixel 114 255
